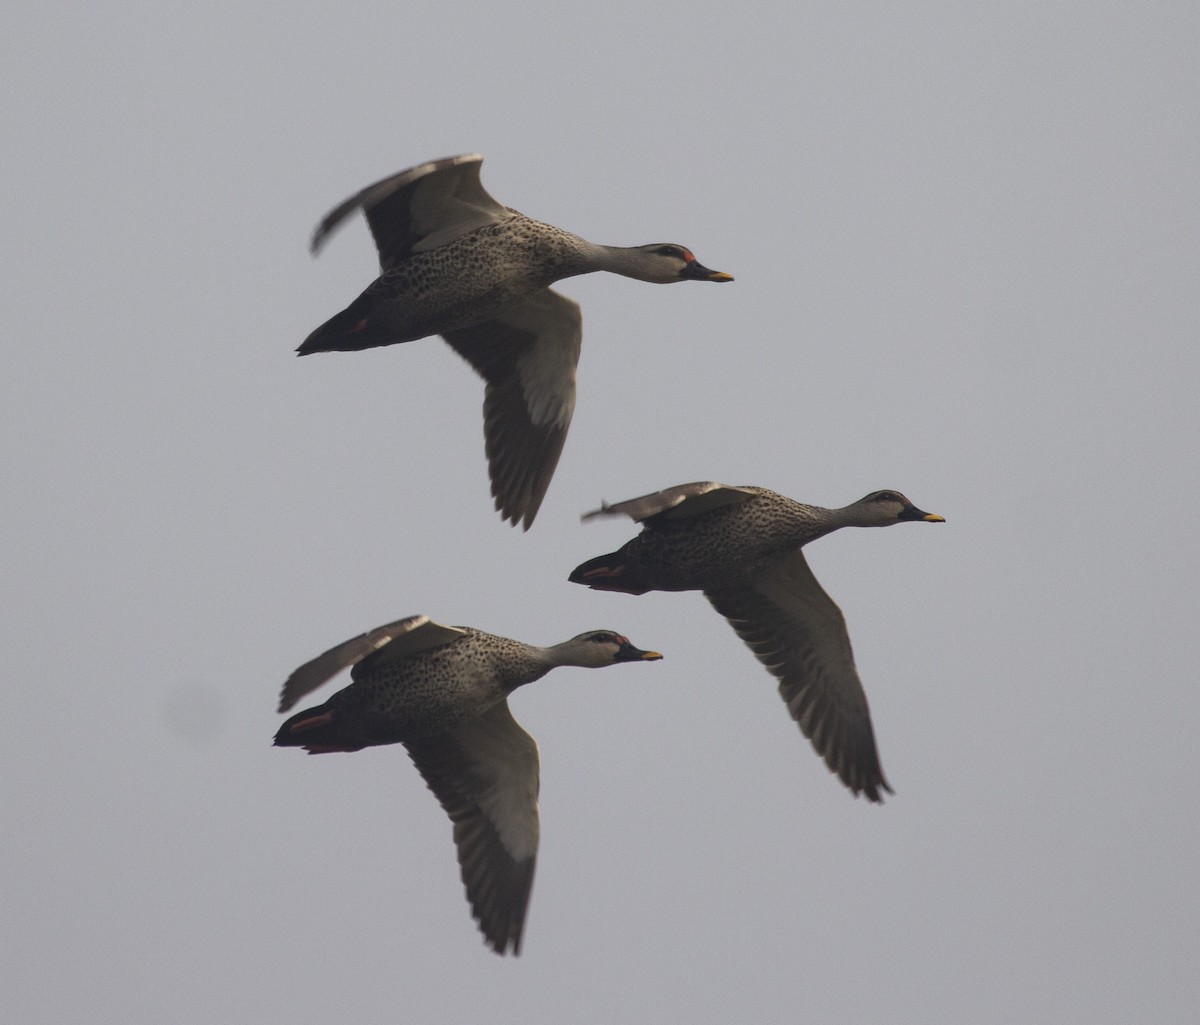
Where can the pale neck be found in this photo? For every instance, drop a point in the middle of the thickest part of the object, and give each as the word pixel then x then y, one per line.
pixel 568 653
pixel 628 261
pixel 854 515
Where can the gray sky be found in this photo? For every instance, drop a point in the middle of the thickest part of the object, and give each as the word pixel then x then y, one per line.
pixel 965 244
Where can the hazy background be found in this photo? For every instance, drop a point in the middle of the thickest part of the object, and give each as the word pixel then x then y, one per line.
pixel 965 243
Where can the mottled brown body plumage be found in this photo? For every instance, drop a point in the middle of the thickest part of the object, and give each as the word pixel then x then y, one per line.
pixel 442 692
pixel 467 280
pixel 454 262
pixel 690 553
pixel 426 693
pixel 742 546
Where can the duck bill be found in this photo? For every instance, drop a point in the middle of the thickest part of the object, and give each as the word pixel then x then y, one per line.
pixel 698 272
pixel 628 653
pixel 913 513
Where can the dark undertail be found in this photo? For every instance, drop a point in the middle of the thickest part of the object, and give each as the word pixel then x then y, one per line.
pixel 607 573
pixel 317 731
pixel 353 329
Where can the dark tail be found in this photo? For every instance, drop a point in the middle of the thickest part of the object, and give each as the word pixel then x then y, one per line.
pixel 353 329
pixel 317 731
pixel 607 573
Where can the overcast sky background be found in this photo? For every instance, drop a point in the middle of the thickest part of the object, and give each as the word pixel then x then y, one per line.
pixel 965 243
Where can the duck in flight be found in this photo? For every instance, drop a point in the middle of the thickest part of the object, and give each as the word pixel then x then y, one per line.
pixel 743 547
pixel 456 263
pixel 442 692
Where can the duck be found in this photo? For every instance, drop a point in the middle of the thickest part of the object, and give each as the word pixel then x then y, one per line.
pixel 454 262
pixel 743 547
pixel 442 692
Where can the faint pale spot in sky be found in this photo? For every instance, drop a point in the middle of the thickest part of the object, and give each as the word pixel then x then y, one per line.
pixel 197 712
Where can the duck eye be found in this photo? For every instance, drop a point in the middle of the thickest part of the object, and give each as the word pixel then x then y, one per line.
pixel 668 251
pixel 602 638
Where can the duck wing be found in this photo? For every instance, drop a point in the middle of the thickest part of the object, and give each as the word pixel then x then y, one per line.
pixel 680 502
pixel 485 775
pixel 797 631
pixel 393 640
pixel 527 355
pixel 420 208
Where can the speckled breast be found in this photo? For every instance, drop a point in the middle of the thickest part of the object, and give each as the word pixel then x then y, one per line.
pixel 473 278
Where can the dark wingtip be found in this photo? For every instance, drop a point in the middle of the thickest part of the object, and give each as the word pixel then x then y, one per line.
pixel 870 789
pixel 516 517
pixel 516 512
pixel 872 793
